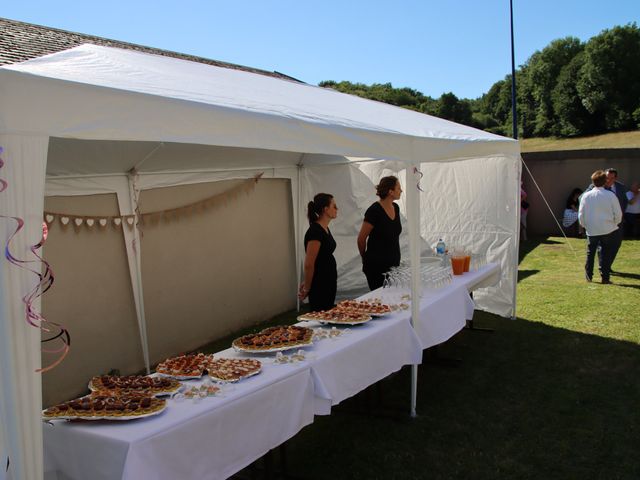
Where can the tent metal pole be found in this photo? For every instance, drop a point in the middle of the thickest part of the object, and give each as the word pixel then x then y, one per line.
pixel 142 323
pixel 296 225
pixel 413 214
pixel 516 239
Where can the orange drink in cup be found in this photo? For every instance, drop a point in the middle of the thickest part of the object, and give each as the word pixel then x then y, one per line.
pixel 467 261
pixel 457 263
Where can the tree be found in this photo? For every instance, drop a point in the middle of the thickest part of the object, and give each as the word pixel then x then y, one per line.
pixel 609 80
pixel 451 108
pixel 543 69
pixel 497 104
pixel 568 88
pixel 573 118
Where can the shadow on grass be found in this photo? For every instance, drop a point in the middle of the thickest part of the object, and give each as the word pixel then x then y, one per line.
pixel 527 246
pixel 522 274
pixel 529 401
pixel 634 276
pixel 626 285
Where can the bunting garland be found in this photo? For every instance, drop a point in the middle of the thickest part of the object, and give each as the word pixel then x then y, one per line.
pixel 101 222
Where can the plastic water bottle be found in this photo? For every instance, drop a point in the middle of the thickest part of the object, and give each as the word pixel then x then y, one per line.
pixel 440 247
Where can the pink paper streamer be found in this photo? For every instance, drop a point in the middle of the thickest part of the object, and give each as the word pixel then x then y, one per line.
pixel 33 317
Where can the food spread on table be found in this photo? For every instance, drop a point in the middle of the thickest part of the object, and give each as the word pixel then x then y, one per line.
pixel 149 386
pixel 185 366
pixel 337 316
pixel 274 339
pixel 106 407
pixel 232 369
pixel 298 356
pixel 203 391
pixel 367 307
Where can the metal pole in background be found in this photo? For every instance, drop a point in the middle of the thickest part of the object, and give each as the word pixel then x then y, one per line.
pixel 514 112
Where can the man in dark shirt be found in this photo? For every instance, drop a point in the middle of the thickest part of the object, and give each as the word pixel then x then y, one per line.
pixel 620 191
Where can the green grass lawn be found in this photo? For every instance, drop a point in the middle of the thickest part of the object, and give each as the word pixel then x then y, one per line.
pixel 554 394
pixel 607 140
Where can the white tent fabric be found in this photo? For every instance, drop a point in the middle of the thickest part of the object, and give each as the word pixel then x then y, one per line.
pixel 144 106
pixel 20 395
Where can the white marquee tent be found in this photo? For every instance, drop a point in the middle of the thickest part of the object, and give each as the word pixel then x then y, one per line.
pixel 460 183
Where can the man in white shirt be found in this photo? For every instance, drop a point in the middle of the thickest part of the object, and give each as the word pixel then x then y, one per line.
pixel 600 214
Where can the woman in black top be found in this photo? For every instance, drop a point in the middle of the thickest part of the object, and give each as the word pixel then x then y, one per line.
pixel 379 237
pixel 320 272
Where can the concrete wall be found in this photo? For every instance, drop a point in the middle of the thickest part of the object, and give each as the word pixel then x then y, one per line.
pixel 558 173
pixel 204 276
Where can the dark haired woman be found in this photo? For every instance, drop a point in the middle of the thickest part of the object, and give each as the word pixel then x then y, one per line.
pixel 379 237
pixel 570 216
pixel 320 272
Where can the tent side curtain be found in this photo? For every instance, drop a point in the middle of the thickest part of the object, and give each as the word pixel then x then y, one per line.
pixel 471 203
pixel 21 392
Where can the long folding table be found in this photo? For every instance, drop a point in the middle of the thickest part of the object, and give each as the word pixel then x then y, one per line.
pixel 218 436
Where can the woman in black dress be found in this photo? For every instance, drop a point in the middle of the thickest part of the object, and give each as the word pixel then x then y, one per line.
pixel 320 272
pixel 379 237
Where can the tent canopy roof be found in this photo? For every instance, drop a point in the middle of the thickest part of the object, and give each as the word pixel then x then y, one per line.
pixel 103 93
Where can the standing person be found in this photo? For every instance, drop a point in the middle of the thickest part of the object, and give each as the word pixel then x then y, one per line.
pixel 632 213
pixel 620 191
pixel 599 213
pixel 320 272
pixel 524 209
pixel 379 237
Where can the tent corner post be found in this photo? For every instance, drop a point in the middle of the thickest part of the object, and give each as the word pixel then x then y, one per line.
pixel 414 390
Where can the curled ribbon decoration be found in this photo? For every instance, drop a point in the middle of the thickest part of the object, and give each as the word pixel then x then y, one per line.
pixel 415 170
pixel 3 182
pixel 33 317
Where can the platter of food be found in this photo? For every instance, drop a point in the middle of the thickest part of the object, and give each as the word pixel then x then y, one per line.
pixel 274 339
pixel 147 386
pixel 184 367
pixel 367 307
pixel 337 317
pixel 106 407
pixel 232 369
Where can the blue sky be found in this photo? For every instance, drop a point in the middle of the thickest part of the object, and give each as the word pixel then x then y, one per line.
pixel 459 46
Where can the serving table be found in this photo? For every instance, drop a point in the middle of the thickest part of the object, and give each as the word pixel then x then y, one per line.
pixel 211 439
pixel 364 355
pixel 374 350
pixel 218 436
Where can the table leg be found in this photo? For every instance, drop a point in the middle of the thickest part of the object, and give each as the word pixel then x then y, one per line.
pixel 470 325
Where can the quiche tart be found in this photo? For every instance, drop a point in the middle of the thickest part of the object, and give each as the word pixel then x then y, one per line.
pixel 232 369
pixel 106 407
pixel 149 386
pixel 337 316
pixel 274 339
pixel 184 367
pixel 372 308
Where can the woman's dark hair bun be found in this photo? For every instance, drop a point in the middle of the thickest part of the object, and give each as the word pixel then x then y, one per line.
pixel 386 185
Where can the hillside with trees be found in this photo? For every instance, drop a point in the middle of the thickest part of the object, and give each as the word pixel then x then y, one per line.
pixel 568 89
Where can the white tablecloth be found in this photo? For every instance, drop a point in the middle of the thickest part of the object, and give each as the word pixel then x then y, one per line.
pixel 344 366
pixel 211 439
pixel 370 352
pixel 218 436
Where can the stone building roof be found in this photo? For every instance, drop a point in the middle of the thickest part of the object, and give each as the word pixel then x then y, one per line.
pixel 20 41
